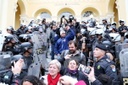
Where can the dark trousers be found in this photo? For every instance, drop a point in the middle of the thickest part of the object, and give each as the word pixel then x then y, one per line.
pixel 52 52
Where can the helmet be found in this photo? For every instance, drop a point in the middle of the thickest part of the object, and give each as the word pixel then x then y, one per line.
pixel 113 28
pixel 107 43
pixel 121 21
pixel 99 31
pixel 9 38
pixel 104 20
pixel 26 46
pixel 24 38
pixel 126 35
pixel 10 28
pixel 114 23
pixel 16 58
pixel 28 29
pixel 115 37
pixel 92 31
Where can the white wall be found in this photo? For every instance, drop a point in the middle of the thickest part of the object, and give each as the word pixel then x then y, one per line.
pixel 126 4
pixel 3 14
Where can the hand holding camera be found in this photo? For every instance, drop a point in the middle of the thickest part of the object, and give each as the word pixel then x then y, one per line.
pixel 84 69
pixel 91 75
pixel 87 70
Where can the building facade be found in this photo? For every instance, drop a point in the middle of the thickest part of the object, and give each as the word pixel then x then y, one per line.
pixel 15 12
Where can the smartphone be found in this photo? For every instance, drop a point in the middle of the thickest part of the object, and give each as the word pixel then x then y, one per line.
pixel 87 70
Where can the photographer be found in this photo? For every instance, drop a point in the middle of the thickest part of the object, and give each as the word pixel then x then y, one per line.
pixel 71 18
pixel 63 21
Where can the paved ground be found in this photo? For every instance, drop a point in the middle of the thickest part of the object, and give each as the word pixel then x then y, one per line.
pixel 49 57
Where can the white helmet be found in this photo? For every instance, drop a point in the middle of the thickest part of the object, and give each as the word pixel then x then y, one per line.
pixel 90 29
pixel 99 31
pixel 92 32
pixel 126 35
pixel 100 26
pixel 115 37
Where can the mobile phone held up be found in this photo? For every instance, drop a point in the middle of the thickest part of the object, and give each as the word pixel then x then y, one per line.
pixel 87 70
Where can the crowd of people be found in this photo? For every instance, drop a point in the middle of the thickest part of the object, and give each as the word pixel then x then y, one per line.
pixel 81 53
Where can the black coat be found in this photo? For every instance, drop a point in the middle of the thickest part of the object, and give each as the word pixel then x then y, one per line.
pixel 78 75
pixel 106 66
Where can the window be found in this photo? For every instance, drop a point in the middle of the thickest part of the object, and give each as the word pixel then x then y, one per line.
pixel 66 14
pixel 45 15
pixel 87 13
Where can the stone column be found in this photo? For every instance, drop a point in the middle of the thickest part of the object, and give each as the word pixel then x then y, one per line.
pixel 110 17
pixel 122 6
pixel 3 14
pixel 24 19
pixel 126 5
pixel 15 5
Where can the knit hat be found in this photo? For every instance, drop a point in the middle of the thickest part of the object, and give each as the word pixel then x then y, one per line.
pixel 101 46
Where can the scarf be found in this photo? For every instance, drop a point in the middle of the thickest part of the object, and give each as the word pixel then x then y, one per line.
pixel 52 81
pixel 72 71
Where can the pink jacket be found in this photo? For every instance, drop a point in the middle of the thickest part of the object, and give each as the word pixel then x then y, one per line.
pixel 81 83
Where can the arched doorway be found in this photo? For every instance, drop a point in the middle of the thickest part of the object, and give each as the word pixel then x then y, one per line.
pixel 43 13
pixel 88 13
pixel 65 12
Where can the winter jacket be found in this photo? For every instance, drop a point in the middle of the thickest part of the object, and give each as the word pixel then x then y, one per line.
pixel 78 75
pixel 60 45
pixel 79 56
